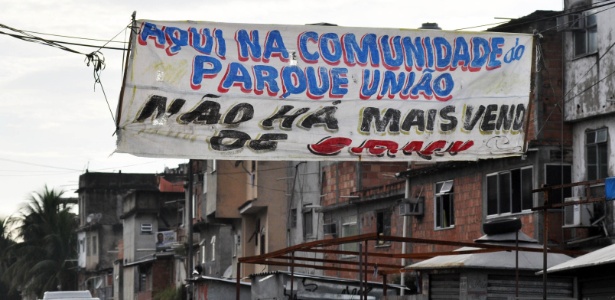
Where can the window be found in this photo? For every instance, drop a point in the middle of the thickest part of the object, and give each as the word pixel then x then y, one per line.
pixel 203 254
pixel 510 191
pixel 445 209
pixel 94 246
pixel 308 228
pixel 146 228
pixel 213 248
pixel 596 154
pixel 383 224
pixel 585 38
pixel 558 175
pixel 350 228
pixel 263 248
pixel 205 181
pixel 293 218
pixel 236 243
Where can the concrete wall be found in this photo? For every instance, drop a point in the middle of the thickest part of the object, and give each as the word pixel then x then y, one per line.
pixel 588 97
pixel 214 288
pixel 277 286
pixel 590 101
pixel 233 187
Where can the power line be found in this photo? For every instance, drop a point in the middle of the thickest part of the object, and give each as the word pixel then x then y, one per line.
pixel 75 37
pixel 39 165
pixel 30 39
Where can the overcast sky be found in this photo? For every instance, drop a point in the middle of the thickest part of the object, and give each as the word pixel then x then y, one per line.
pixel 55 123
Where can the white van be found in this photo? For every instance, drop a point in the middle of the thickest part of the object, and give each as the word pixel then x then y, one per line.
pixel 68 295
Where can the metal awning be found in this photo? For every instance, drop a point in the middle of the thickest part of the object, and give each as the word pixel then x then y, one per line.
pixel 599 257
pixel 287 256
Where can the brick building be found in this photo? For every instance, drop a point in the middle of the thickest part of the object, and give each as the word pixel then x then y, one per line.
pixel 450 201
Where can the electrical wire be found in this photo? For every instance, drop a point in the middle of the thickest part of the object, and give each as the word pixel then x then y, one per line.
pixel 39 165
pixel 95 58
pixel 76 37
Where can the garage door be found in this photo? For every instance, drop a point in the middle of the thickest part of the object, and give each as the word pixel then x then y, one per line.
pixel 444 286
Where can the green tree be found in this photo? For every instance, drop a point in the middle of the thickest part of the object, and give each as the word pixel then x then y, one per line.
pixel 42 260
pixel 5 243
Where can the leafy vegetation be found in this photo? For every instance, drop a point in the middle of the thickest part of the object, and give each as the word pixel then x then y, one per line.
pixel 43 258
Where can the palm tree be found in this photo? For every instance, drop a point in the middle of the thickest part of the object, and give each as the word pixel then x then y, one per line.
pixel 46 228
pixel 5 243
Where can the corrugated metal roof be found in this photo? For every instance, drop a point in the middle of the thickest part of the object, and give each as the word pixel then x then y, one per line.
pixel 493 260
pixel 496 260
pixel 602 256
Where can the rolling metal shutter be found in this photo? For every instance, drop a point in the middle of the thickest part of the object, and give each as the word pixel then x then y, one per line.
pixel 597 288
pixel 530 287
pixel 444 286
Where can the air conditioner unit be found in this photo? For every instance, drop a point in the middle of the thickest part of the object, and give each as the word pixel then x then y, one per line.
pixel 412 207
pixel 330 228
pixel 577 215
pixel 575 21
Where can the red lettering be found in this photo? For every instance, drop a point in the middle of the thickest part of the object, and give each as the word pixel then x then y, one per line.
pixel 334 145
pixel 376 147
pixel 459 146
pixel 329 145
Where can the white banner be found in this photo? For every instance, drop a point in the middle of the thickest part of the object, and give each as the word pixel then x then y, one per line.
pixel 205 90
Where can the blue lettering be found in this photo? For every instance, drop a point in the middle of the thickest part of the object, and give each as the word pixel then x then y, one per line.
pixel 415 56
pixel 339 82
pixel 203 67
pixel 201 41
pixel 429 53
pixel 149 30
pixel 461 57
pixel 355 54
pixel 392 85
pixel 176 39
pixel 319 84
pixel 391 48
pixel 236 75
pixel 496 52
pixel 265 76
pixel 443 53
pixel 443 86
pixel 274 46
pixel 330 48
pixel 221 44
pixel 423 87
pixel 248 45
pixel 480 53
pixel 369 88
pixel 293 81
pixel 305 54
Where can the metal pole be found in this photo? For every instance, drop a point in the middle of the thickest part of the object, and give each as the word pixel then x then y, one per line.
pixel 237 284
pixel 384 285
pixel 292 274
pixel 118 114
pixel 517 265
pixel 360 270
pixel 402 281
pixel 364 292
pixel 189 228
pixel 545 239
